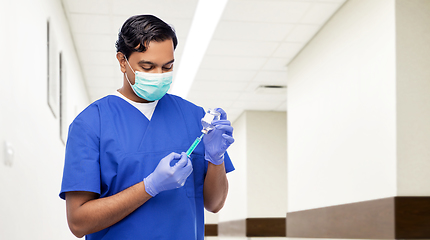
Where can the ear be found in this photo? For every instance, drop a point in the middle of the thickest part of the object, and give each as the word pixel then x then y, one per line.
pixel 121 60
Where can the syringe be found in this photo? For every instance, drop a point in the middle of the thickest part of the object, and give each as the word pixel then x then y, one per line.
pixel 194 145
pixel 207 126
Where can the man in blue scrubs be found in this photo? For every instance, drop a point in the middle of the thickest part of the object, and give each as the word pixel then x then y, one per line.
pixel 126 175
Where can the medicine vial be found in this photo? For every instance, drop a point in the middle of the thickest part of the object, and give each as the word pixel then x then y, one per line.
pixel 210 116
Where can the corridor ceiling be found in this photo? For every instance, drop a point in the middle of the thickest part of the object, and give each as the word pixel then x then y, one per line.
pixel 251 46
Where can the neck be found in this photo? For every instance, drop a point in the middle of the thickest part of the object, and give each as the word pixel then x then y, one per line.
pixel 129 93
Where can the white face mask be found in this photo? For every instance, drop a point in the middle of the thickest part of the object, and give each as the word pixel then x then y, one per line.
pixel 150 86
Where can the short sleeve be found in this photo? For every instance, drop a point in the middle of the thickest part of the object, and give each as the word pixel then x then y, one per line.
pixel 82 160
pixel 228 164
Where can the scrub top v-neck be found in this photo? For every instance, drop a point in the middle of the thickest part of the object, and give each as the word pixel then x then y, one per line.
pixel 112 146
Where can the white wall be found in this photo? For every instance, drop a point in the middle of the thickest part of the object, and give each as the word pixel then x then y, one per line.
pixel 342 110
pixel 258 185
pixel 266 164
pixel 413 97
pixel 235 207
pixel 29 204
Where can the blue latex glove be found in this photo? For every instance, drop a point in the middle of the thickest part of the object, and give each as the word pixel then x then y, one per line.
pixel 166 177
pixel 219 139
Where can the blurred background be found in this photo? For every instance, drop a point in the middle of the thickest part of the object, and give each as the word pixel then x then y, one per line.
pixel 330 101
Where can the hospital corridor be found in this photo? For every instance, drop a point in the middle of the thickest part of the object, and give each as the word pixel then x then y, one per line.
pixel 214 119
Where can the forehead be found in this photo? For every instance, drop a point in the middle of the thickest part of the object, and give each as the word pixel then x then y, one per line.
pixel 156 52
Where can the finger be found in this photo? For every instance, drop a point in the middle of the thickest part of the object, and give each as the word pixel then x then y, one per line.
pixel 186 171
pixel 172 156
pixel 226 128
pixel 182 161
pixel 221 122
pixel 228 138
pixel 223 113
pixel 189 168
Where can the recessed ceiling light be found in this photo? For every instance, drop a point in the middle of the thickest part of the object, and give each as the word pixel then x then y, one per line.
pixel 271 89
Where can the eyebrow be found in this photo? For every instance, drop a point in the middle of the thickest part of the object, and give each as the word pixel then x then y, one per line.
pixel 149 62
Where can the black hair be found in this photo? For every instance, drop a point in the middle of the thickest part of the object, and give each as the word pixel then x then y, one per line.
pixel 138 31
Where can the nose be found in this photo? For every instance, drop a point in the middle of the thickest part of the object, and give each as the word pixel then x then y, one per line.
pixel 157 70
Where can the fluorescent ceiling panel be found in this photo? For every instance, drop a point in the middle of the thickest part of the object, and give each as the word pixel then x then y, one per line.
pixel 205 20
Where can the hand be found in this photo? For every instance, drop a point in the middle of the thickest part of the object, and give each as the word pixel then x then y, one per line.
pixel 166 177
pixel 219 139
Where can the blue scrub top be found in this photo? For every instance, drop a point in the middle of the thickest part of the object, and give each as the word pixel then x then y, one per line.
pixel 112 146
